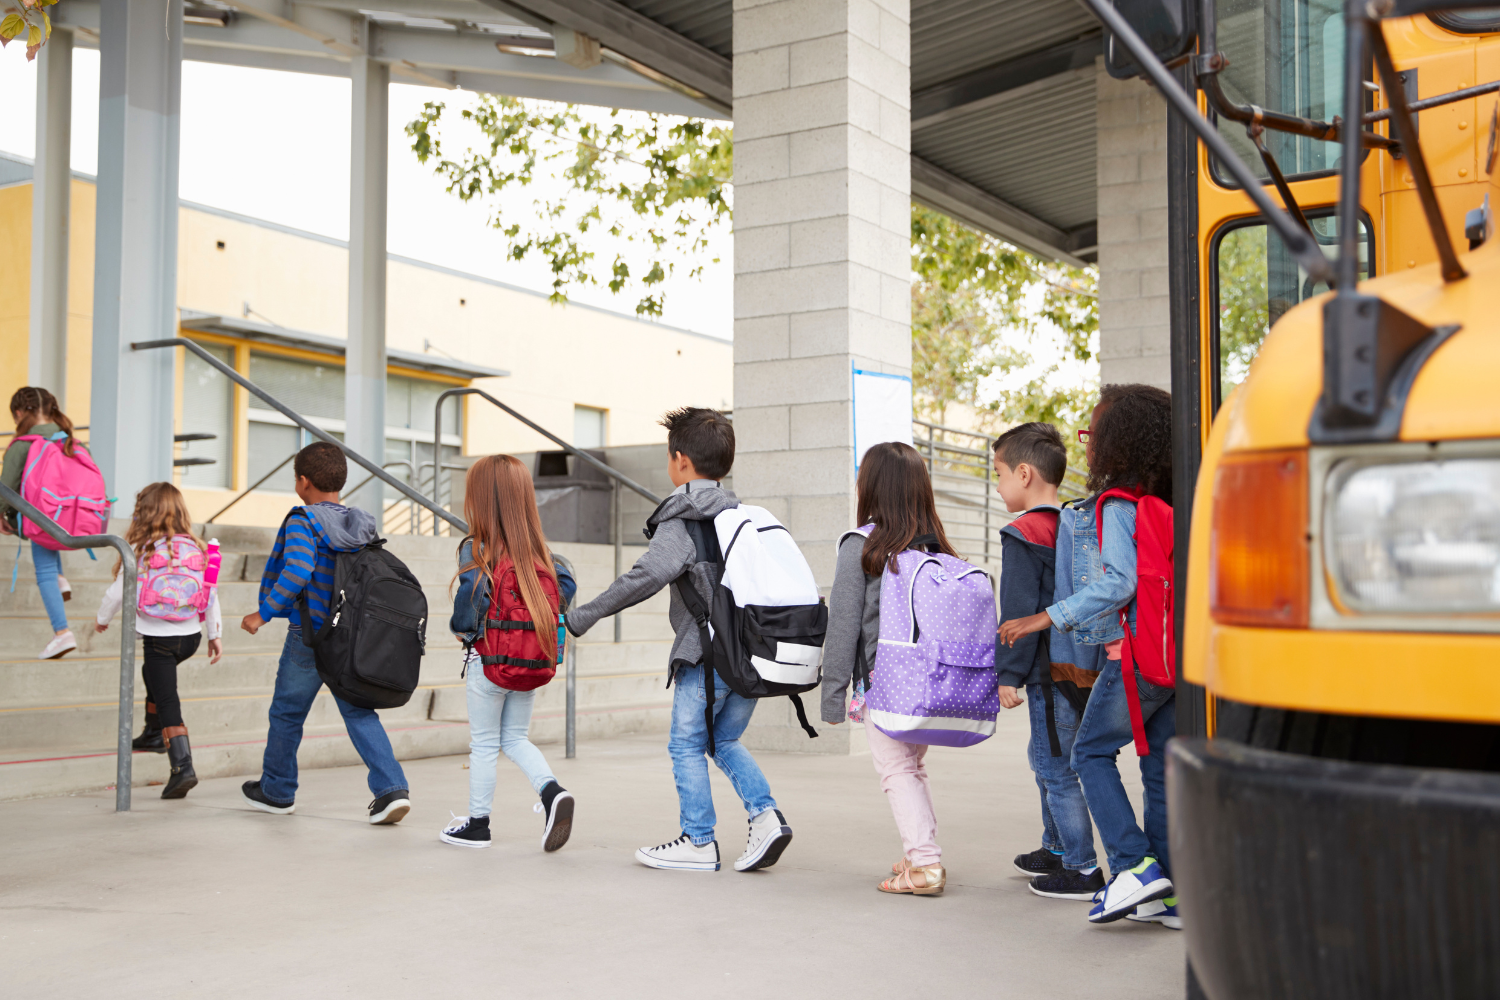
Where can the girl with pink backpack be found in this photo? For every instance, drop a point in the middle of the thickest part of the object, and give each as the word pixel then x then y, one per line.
pixel 913 626
pixel 53 471
pixel 177 575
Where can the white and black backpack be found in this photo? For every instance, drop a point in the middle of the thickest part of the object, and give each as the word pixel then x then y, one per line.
pixel 763 634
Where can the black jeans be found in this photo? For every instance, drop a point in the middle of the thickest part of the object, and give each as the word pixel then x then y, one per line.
pixel 159 666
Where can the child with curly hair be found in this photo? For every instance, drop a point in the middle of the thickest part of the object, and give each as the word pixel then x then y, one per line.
pixel 1129 444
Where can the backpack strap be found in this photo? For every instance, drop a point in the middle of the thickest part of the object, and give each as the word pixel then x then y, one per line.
pixel 1044 645
pixel 1133 693
pixel 706 549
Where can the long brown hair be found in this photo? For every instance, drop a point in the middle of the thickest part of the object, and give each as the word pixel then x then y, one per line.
pixel 38 406
pixel 500 506
pixel 895 494
pixel 160 512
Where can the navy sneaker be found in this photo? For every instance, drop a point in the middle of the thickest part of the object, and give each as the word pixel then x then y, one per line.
pixel 390 808
pixel 467 831
pixel 257 798
pixel 1068 884
pixel 1039 862
pixel 1129 889
pixel 1158 911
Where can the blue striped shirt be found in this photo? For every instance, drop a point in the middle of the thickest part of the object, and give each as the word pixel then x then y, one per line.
pixel 300 560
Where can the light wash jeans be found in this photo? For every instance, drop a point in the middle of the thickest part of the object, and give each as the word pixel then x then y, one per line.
pixel 498 722
pixel 1066 829
pixel 688 745
pixel 48 564
pixel 297 685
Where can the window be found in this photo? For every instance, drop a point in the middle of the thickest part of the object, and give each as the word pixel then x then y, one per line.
pixel 207 408
pixel 1287 56
pixel 1256 280
pixel 1479 21
pixel 588 427
pixel 316 391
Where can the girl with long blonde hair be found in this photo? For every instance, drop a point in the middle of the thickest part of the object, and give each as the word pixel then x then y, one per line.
pixel 169 620
pixel 506 569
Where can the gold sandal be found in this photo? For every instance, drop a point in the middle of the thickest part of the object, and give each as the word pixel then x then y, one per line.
pixel 900 866
pixel 928 880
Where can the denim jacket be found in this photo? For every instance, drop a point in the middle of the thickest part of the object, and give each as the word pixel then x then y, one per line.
pixel 1089 591
pixel 472 601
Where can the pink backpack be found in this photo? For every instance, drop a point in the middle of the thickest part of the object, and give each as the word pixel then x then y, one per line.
pixel 177 579
pixel 68 489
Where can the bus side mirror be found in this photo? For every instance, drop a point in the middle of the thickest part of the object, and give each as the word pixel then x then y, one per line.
pixel 1170 27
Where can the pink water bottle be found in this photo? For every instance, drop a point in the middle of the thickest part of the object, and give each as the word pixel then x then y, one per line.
pixel 210 577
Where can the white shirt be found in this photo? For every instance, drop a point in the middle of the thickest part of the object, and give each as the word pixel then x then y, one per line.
pixel 145 625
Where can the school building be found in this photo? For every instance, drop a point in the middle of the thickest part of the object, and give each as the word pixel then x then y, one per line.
pixel 272 302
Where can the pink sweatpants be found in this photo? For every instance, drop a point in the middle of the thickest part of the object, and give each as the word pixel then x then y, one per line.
pixel 904 779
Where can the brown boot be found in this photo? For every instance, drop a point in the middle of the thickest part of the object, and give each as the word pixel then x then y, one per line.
pixel 180 754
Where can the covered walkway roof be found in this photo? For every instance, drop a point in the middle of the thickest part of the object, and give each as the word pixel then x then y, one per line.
pixel 1003 98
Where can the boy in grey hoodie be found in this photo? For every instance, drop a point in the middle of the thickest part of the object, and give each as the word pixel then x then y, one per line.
pixel 302 561
pixel 700 452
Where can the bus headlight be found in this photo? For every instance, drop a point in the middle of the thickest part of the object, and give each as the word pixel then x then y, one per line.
pixel 1416 537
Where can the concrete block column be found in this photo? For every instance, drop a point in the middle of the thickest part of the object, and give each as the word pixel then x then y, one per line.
pixel 47 358
pixel 364 371
pixel 822 126
pixel 135 243
pixel 1134 305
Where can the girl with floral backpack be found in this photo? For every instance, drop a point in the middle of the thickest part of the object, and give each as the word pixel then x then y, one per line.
pixel 177 596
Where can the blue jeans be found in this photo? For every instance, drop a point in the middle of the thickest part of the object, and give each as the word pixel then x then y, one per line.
pixel 1065 816
pixel 499 721
pixel 688 745
pixel 297 684
pixel 1105 729
pixel 48 564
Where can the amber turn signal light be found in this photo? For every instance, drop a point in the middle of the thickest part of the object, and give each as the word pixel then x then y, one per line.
pixel 1259 548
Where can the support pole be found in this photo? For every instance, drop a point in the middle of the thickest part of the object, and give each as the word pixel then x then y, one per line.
pixel 571 724
pixel 364 371
pixel 619 551
pixel 135 242
pixel 51 180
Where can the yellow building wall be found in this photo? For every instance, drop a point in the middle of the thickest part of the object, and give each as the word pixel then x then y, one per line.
pixel 558 356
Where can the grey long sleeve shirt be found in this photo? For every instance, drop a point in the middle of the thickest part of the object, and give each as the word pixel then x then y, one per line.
pixel 853 617
pixel 670 553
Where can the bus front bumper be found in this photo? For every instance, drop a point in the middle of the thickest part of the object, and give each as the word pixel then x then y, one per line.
pixel 1304 877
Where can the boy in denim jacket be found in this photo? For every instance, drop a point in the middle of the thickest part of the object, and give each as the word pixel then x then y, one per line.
pixel 1030 461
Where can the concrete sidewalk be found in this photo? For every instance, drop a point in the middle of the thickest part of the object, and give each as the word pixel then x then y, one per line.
pixel 206 898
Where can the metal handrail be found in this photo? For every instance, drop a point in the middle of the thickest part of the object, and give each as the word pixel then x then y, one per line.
pixel 300 421
pixel 437 437
pixel 251 488
pixel 127 629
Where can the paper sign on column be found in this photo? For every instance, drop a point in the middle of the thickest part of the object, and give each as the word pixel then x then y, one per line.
pixel 882 410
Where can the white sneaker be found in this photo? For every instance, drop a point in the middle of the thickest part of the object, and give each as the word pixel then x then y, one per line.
pixel 61 645
pixel 1158 911
pixel 681 853
pixel 1129 889
pixel 64 586
pixel 769 836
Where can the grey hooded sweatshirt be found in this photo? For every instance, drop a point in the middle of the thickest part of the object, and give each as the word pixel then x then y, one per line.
pixel 670 553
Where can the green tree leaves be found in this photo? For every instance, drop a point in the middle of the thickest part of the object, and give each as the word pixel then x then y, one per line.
pixel 977 306
pixel 632 175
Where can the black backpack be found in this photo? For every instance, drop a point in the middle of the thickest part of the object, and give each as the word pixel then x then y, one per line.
pixel 369 650
pixel 742 635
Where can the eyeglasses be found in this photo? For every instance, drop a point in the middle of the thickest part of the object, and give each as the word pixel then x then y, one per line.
pixel 1083 436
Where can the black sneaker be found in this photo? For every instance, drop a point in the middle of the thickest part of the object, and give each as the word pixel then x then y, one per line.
pixel 1039 862
pixel 557 803
pixel 257 798
pixel 467 831
pixel 390 808
pixel 1068 884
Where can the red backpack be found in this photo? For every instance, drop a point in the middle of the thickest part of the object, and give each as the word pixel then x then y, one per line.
pixel 1153 646
pixel 508 645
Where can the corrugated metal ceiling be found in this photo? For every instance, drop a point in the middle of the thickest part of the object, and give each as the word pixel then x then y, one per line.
pixel 952 37
pixel 1036 152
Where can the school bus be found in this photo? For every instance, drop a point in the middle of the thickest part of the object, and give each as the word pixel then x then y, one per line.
pixel 1333 794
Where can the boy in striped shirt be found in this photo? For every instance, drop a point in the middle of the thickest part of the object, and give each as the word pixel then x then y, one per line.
pixel 303 560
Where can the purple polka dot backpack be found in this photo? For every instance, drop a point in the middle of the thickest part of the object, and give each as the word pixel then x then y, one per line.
pixel 933 680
